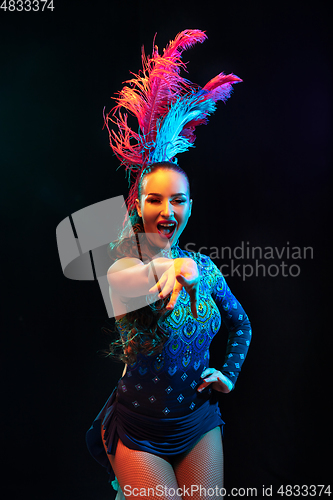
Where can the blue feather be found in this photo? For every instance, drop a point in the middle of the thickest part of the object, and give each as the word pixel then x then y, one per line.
pixel 169 142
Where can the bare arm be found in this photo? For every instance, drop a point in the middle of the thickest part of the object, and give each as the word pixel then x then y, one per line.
pixel 129 277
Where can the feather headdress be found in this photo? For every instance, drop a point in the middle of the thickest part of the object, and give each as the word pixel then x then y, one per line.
pixel 167 106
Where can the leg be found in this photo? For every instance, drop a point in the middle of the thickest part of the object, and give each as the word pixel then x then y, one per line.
pixel 200 469
pixel 143 475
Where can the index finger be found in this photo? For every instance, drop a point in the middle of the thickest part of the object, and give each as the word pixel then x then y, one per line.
pixel 193 293
pixel 174 296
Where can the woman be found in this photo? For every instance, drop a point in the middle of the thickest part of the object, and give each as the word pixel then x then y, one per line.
pixel 160 430
pixel 162 427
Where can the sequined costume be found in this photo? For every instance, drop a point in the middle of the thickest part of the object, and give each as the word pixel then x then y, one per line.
pixel 156 406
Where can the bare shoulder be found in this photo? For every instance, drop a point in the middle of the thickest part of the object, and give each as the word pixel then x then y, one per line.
pixel 124 263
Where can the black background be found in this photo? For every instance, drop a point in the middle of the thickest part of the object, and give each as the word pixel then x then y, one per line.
pixel 260 174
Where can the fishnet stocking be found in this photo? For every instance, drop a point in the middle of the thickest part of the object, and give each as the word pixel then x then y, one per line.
pixel 143 470
pixel 194 471
pixel 200 469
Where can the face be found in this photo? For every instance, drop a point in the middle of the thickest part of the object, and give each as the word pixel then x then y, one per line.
pixel 164 206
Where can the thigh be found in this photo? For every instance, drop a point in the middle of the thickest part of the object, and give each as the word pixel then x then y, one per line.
pixel 143 475
pixel 199 471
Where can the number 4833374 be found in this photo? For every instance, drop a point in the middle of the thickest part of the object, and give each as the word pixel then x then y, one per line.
pixel 26 5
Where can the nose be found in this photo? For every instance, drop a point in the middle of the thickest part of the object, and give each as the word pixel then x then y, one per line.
pixel 167 209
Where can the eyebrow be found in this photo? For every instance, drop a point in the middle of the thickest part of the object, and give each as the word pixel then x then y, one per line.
pixel 158 194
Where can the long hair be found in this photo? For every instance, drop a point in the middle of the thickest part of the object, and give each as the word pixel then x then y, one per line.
pixel 139 329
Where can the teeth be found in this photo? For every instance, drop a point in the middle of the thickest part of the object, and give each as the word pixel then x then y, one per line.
pixel 166 227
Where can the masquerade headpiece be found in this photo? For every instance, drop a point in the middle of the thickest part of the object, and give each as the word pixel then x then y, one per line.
pixel 167 107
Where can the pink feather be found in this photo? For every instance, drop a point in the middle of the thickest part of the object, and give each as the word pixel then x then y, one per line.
pixel 220 87
pixel 149 95
pixel 183 41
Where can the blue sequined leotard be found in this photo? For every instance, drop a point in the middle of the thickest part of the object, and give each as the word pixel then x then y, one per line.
pixel 156 406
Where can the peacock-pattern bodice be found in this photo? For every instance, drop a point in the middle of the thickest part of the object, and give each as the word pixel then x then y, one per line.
pixel 165 384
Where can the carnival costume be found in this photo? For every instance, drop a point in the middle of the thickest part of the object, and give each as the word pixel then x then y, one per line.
pixel 156 407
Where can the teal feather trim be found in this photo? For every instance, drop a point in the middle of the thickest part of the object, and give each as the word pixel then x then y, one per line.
pixel 170 138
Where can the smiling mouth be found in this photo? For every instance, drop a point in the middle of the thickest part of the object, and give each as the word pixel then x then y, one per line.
pixel 166 229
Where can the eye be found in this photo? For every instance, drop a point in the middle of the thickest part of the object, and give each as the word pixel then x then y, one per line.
pixel 179 201
pixel 153 200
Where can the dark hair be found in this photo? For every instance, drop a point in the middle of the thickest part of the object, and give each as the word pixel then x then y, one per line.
pixel 164 165
pixel 139 328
